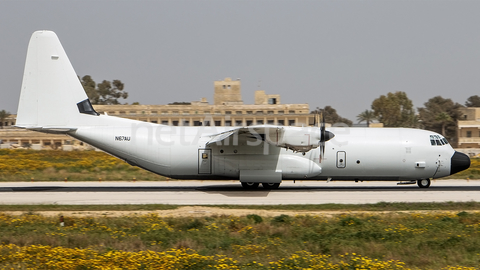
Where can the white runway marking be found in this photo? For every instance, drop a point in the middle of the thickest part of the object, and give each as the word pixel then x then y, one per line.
pixel 230 192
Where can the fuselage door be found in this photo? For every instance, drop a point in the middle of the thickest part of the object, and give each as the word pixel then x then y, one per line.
pixel 341 159
pixel 204 161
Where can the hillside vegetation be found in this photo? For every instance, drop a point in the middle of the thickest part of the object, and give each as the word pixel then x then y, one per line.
pixel 343 241
pixel 50 165
pixel 44 165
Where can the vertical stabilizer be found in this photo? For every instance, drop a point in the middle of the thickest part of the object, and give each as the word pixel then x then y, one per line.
pixel 51 89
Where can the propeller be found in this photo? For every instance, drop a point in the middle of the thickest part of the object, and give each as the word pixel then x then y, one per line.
pixel 321 122
pixel 324 135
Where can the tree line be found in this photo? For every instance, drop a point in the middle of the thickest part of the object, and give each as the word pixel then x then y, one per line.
pixel 104 93
pixel 396 110
pixel 393 110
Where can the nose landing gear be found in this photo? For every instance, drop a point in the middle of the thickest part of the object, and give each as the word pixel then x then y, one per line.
pixel 423 183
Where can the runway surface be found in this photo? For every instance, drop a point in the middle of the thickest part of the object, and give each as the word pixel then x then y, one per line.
pixel 230 192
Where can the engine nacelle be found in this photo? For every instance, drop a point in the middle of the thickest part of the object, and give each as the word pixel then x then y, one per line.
pixel 295 138
pixel 295 167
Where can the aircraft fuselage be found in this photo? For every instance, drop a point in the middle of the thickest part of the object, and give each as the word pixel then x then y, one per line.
pixel 53 100
pixel 353 154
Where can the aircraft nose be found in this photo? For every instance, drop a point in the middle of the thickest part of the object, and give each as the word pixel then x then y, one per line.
pixel 459 162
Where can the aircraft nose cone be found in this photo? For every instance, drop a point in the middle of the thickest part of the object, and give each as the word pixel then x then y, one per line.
pixel 460 162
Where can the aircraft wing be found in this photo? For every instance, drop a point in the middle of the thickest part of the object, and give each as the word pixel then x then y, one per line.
pixel 297 139
pixel 219 137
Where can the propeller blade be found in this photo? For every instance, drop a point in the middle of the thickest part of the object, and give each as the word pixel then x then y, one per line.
pixel 322 135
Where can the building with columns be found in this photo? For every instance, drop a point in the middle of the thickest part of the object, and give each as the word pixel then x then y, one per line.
pixel 468 131
pixel 227 109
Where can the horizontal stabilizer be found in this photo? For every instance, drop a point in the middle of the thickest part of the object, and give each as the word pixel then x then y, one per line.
pixel 53 130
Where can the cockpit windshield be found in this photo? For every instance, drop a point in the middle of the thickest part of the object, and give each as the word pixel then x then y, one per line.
pixel 438 140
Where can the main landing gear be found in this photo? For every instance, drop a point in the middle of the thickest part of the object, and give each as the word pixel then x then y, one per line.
pixel 270 185
pixel 423 183
pixel 252 185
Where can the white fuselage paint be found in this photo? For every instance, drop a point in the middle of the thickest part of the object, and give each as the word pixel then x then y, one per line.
pixel 353 154
pixel 53 100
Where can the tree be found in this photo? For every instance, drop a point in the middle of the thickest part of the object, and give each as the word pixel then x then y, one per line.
pixel 440 115
pixel 331 116
pixel 104 93
pixel 394 110
pixel 3 115
pixel 90 88
pixel 367 116
pixel 444 120
pixel 110 92
pixel 473 101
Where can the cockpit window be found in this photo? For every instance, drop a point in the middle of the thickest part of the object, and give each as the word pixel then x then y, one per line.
pixel 438 140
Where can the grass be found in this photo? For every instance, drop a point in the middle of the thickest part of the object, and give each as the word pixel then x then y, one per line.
pixel 390 240
pixel 381 206
pixel 116 207
pixel 31 165
pixel 420 241
pixel 471 173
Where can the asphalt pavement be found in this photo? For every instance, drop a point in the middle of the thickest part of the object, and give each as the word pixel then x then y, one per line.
pixel 230 192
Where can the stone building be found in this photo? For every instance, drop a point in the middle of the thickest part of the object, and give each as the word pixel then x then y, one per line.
pixel 22 138
pixel 227 109
pixel 469 131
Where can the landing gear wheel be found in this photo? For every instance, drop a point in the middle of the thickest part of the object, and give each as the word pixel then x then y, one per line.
pixel 423 183
pixel 250 185
pixel 270 185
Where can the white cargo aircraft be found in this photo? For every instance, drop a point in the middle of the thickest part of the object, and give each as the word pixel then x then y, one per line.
pixel 52 100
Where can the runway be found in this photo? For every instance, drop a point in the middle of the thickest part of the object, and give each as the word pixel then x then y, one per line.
pixel 230 192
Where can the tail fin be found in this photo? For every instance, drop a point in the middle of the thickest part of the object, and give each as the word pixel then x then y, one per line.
pixel 52 96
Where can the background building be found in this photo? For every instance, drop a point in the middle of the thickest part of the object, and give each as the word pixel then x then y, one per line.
pixel 228 110
pixel 469 131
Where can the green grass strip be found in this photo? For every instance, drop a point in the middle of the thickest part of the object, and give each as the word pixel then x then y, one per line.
pixel 50 165
pixel 381 206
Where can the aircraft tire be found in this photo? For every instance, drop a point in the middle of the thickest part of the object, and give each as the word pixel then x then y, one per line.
pixel 423 183
pixel 270 185
pixel 250 185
